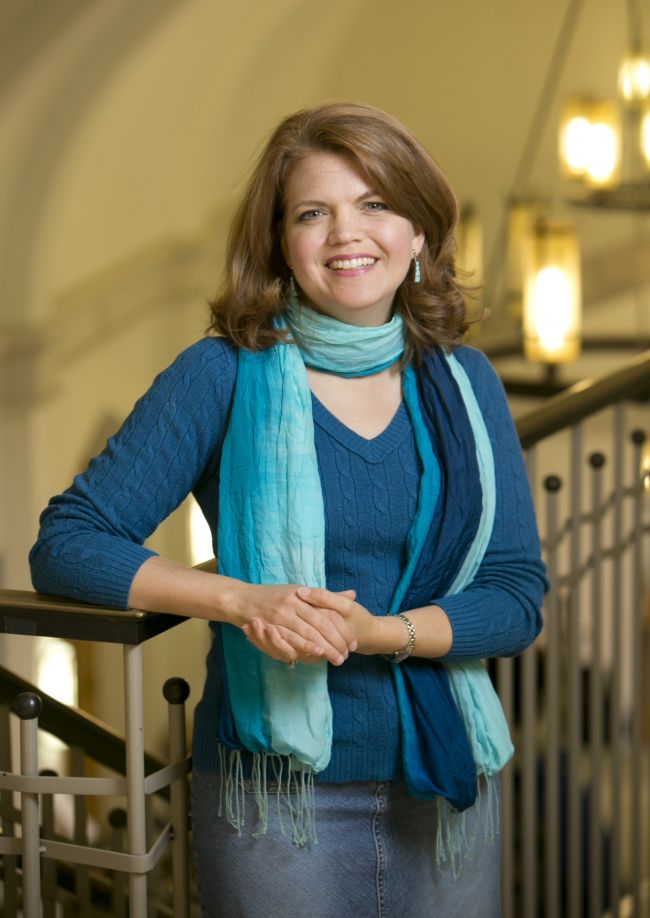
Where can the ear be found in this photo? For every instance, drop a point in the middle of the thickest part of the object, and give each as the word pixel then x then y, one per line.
pixel 418 242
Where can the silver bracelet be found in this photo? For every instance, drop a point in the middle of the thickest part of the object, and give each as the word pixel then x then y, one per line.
pixel 399 655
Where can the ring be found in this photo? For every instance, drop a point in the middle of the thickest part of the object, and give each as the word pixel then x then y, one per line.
pixel 292 665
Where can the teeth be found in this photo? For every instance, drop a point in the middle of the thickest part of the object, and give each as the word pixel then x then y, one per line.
pixel 345 264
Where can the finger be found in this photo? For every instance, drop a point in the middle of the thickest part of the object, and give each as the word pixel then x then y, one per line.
pixel 321 648
pixel 328 626
pixel 322 627
pixel 339 602
pixel 258 637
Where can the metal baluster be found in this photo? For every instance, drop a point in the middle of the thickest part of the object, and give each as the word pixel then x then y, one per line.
pixel 574 693
pixel 176 692
pixel 117 822
pixel 10 865
pixel 81 882
pixel 505 685
pixel 596 698
pixel 136 825
pixel 27 706
pixel 529 765
pixel 49 866
pixel 552 839
pixel 638 439
pixel 615 730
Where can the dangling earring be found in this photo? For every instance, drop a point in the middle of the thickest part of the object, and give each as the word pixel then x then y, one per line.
pixel 293 289
pixel 417 274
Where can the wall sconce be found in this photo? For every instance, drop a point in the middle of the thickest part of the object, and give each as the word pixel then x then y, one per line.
pixel 523 215
pixel 634 77
pixel 552 293
pixel 590 141
pixel 645 136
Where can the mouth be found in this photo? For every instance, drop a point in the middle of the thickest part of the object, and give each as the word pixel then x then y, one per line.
pixel 350 264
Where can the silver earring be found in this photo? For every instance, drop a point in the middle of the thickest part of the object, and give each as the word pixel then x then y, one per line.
pixel 417 274
pixel 293 289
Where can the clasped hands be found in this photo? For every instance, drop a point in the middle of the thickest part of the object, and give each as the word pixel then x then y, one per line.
pixel 290 623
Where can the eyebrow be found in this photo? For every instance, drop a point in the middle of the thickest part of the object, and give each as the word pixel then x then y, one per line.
pixel 310 203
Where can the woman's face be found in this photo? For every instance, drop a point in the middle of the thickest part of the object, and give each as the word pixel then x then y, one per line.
pixel 348 251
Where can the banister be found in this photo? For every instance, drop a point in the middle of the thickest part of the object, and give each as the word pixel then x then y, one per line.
pixel 29 613
pixel 75 728
pixel 586 398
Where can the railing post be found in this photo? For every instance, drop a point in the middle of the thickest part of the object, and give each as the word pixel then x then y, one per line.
pixel 176 692
pixel 80 834
pixel 136 824
pixel 49 867
pixel 552 484
pixel 27 706
pixel 117 821
pixel 596 695
pixel 638 438
pixel 10 861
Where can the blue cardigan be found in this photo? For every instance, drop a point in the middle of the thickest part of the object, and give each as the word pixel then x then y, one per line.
pixel 90 543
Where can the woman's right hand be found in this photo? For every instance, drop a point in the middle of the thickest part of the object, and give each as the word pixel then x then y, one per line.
pixel 279 623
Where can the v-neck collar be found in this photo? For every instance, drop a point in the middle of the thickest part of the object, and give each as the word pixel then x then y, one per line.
pixel 373 450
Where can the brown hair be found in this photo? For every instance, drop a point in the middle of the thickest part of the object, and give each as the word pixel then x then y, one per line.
pixel 256 285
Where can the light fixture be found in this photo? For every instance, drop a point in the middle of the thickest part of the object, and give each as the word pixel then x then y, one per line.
pixel 605 143
pixel 551 293
pixel 523 215
pixel 590 141
pixel 634 77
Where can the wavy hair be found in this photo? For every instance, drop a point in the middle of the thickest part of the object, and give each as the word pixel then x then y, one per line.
pixel 256 284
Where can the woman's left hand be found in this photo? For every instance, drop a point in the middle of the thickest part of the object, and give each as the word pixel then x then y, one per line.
pixel 374 634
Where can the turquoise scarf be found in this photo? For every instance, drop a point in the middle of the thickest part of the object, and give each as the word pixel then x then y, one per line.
pixel 270 532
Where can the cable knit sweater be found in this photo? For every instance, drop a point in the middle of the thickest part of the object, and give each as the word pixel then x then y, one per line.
pixel 90 543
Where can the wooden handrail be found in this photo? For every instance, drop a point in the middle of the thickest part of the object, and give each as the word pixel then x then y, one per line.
pixel 586 398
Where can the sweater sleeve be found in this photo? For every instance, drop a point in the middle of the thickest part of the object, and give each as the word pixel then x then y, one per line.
pixel 499 614
pixel 90 543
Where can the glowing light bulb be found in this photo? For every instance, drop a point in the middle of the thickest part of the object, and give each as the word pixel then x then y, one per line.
pixel 645 137
pixel 576 144
pixel 602 157
pixel 552 302
pixel 634 78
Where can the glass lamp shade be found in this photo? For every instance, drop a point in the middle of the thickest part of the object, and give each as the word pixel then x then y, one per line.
pixel 552 293
pixel 522 216
pixel 634 77
pixel 590 141
pixel 645 136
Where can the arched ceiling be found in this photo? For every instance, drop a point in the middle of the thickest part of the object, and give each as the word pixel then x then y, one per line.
pixel 131 123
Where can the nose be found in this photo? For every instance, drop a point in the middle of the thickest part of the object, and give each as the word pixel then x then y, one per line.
pixel 345 227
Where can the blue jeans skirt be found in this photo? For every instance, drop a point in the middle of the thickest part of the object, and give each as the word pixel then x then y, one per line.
pixel 375 857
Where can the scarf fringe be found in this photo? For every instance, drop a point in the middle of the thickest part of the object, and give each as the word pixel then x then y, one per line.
pixel 454 844
pixel 294 791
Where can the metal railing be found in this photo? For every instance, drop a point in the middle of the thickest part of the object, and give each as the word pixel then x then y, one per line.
pixel 576 819
pixel 576 798
pixel 32 614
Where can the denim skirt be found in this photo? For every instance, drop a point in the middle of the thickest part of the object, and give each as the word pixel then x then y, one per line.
pixel 375 857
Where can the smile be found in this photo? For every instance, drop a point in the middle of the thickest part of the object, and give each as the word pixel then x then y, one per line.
pixel 345 264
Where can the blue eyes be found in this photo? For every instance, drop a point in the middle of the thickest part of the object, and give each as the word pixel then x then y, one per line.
pixel 370 206
pixel 309 215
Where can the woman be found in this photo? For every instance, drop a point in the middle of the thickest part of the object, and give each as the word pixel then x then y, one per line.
pixel 371 516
